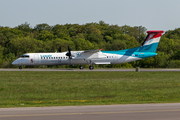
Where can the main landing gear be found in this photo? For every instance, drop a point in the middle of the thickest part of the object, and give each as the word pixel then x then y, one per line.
pixel 81 67
pixel 91 67
pixel 20 67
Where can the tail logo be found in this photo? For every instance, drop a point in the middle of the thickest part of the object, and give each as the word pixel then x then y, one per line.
pixel 150 37
pixel 152 40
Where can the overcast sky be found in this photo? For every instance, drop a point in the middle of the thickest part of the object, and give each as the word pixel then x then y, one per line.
pixel 152 14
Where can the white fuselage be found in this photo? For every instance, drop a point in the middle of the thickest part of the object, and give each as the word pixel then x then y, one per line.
pixel 78 58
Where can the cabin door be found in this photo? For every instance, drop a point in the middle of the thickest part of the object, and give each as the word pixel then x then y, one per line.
pixel 36 58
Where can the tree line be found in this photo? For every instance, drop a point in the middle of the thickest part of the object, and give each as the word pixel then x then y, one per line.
pixel 21 39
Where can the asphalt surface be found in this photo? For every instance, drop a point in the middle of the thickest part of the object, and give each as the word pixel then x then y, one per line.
pixel 141 70
pixel 105 112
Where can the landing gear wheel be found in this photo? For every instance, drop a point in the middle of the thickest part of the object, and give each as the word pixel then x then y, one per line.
pixel 20 67
pixel 81 67
pixel 91 67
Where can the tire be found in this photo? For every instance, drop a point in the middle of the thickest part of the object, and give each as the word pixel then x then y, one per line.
pixel 20 67
pixel 91 67
pixel 81 67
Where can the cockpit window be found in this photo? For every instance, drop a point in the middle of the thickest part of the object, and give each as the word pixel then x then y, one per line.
pixel 25 56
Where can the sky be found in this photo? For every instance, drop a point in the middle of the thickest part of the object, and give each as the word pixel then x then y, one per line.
pixel 152 14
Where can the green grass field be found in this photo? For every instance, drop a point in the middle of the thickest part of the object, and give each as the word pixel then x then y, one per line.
pixel 22 88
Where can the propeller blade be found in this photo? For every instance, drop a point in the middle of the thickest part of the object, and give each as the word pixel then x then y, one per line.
pixel 59 50
pixel 69 53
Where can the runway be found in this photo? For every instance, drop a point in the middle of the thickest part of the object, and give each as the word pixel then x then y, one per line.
pixel 106 112
pixel 110 69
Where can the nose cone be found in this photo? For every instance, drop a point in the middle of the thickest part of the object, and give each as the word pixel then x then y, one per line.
pixel 15 62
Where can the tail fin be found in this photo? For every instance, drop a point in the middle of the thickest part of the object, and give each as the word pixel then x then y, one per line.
pixel 151 42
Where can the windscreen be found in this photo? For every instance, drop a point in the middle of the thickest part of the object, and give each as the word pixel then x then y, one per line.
pixel 25 56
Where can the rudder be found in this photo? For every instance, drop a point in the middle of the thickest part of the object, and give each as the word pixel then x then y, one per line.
pixel 151 42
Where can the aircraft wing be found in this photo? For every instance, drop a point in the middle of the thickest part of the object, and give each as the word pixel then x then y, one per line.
pixel 92 51
pixel 92 54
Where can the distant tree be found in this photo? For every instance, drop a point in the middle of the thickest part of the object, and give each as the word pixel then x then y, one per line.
pixel 138 32
pixel 63 44
pixel 147 63
pixel 166 45
pixel 82 44
pixel 113 29
pixel 160 60
pixel 1 55
pixel 94 34
pixel 24 45
pixel 46 35
pixel 61 31
pixel 119 44
pixel 6 35
pixel 73 31
pixel 42 27
pixel 24 27
pixel 103 27
pixel 108 39
pixel 173 34
pixel 48 46
pixel 176 55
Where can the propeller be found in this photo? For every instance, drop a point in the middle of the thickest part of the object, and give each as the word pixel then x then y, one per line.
pixel 59 50
pixel 69 53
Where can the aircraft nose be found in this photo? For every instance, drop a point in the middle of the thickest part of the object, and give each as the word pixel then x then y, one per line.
pixel 15 62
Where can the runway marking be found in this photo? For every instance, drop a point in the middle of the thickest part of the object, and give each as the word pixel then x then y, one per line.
pixel 147 111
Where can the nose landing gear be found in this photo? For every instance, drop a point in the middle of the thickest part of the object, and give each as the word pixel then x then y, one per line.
pixel 20 67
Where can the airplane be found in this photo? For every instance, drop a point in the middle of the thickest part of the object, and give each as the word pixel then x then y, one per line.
pixel 90 57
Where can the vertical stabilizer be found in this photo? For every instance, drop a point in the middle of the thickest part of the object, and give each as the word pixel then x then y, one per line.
pixel 151 42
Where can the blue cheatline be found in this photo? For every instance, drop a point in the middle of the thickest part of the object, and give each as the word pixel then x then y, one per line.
pixel 140 52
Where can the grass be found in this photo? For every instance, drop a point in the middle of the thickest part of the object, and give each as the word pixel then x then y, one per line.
pixel 29 89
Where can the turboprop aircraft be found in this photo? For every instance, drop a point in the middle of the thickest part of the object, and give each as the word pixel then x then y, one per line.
pixel 90 57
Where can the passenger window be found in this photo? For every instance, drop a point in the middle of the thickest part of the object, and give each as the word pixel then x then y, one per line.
pixel 61 57
pixel 54 57
pixel 41 57
pixel 51 57
pixel 44 58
